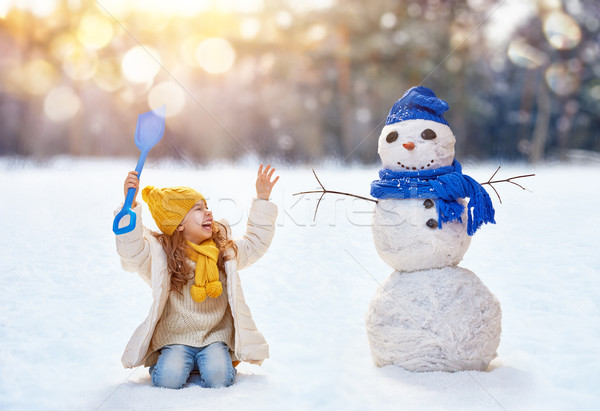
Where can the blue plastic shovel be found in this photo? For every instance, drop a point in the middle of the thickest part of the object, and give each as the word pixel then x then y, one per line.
pixel 148 132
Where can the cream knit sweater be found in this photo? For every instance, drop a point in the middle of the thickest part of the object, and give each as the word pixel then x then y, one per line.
pixel 185 321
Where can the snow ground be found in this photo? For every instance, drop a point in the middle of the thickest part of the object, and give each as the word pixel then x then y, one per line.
pixel 67 308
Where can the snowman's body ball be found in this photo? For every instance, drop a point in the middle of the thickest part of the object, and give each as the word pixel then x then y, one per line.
pixel 434 320
pixel 407 236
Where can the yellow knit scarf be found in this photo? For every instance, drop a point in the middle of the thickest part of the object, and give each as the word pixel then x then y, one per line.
pixel 206 279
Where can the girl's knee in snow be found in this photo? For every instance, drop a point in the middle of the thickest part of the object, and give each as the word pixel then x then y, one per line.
pixel 218 379
pixel 168 378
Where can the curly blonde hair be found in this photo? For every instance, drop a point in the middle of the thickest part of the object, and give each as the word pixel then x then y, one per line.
pixel 176 250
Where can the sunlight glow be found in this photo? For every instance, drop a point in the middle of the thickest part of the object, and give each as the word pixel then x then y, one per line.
pixel 61 104
pixel 40 8
pixel 5 6
pixel 183 8
pixel 215 55
pixel 95 31
pixel 138 66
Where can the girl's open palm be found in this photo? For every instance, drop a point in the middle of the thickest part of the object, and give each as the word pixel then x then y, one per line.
pixel 264 185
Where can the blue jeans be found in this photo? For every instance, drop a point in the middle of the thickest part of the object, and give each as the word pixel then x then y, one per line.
pixel 176 362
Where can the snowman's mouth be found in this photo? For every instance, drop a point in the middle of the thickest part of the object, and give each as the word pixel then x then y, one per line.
pixel 415 168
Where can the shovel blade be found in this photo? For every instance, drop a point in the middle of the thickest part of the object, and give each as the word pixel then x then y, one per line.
pixel 150 128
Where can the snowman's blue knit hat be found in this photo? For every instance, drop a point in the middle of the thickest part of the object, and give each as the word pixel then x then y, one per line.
pixel 418 103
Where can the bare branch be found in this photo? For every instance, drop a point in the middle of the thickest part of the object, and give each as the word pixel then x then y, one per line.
pixel 493 188
pixel 495 172
pixel 324 191
pixel 318 181
pixel 506 180
pixel 317 207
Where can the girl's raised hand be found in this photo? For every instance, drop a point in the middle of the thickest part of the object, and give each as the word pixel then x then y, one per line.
pixel 264 185
pixel 132 182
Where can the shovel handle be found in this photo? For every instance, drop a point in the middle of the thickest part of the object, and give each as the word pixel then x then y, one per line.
pixel 126 210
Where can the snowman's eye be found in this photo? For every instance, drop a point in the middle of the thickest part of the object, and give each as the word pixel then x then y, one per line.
pixel 428 134
pixel 393 136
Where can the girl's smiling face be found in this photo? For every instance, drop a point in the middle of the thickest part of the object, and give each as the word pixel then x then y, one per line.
pixel 197 224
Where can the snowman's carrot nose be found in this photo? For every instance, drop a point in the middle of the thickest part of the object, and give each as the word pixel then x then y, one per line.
pixel 409 146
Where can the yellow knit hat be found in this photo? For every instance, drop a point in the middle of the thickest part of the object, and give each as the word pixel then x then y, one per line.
pixel 169 206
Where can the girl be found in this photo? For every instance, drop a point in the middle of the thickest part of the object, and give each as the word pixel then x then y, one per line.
pixel 199 319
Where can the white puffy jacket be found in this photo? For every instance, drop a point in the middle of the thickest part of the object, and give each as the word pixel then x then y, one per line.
pixel 141 252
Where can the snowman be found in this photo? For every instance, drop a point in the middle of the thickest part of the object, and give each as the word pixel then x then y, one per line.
pixel 430 314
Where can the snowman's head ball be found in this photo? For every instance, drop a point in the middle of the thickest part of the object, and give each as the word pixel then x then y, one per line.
pixel 416 135
pixel 414 145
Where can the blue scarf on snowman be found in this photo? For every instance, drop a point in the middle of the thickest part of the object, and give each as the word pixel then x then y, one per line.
pixel 446 184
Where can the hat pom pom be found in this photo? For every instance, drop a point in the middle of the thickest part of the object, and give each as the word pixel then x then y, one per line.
pixel 146 192
pixel 214 289
pixel 198 293
pixel 425 99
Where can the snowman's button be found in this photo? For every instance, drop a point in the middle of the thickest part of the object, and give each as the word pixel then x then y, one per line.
pixel 428 203
pixel 431 223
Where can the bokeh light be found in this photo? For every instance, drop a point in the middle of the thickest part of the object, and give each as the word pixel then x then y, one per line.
pixel 118 9
pixel 183 8
pixel 523 54
pixel 168 93
pixel 108 75
pixel 562 31
pixel 94 31
pixel 80 63
pixel 315 34
pixel 62 45
pixel 249 28
pixel 284 19
pixel 4 8
pixel 388 20
pixel 215 55
pixel 38 77
pixel 562 78
pixel 140 64
pixel 594 92
pixel 61 104
pixel 40 8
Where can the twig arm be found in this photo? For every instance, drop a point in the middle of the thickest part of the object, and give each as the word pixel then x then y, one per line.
pixel 506 180
pixel 324 191
pixel 334 192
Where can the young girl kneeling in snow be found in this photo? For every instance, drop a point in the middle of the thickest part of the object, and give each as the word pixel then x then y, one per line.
pixel 199 319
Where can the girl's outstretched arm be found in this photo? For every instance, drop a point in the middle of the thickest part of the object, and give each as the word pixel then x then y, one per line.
pixel 264 185
pixel 261 221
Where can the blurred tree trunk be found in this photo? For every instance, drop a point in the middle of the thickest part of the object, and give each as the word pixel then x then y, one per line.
pixel 344 85
pixel 527 95
pixel 542 122
pixel 460 109
pixel 25 132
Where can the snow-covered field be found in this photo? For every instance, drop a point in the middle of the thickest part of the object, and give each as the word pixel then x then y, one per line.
pixel 67 308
